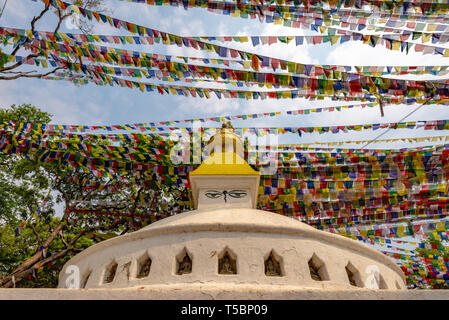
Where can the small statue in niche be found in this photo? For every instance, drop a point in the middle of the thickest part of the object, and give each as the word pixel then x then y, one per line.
pixel 185 266
pixel 272 267
pixel 227 266
pixel 314 273
pixel 145 268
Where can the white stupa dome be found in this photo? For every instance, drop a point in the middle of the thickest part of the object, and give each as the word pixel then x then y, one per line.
pixel 227 244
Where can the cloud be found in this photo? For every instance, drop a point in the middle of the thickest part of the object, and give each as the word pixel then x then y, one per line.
pixel 114 105
pixel 52 98
pixel 357 53
pixel 16 11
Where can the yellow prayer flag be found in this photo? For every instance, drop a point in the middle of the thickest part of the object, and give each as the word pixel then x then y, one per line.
pixel 287 94
pixel 110 20
pixel 235 14
pixel 335 39
pixel 425 37
pixel 396 45
pixel 431 27
pixel 366 39
pixel 401 230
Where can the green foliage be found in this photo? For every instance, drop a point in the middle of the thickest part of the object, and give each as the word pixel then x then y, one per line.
pixel 22 181
pixel 25 182
pixel 16 250
pixel 23 185
pixel 24 113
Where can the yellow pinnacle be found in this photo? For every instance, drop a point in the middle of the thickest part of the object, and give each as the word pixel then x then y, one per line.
pixel 224 159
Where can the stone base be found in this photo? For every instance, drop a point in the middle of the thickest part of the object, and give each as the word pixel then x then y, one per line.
pixel 199 292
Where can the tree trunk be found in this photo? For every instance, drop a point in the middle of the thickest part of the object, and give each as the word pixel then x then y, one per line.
pixel 35 261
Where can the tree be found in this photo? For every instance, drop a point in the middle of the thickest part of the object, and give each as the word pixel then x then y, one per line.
pixel 96 207
pixel 15 70
pixel 20 193
pixel 16 250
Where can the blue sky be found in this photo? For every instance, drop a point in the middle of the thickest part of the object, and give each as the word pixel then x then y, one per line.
pixel 92 104
pixel 95 105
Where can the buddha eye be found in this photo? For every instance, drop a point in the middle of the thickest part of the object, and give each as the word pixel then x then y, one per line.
pixel 213 194
pixel 237 193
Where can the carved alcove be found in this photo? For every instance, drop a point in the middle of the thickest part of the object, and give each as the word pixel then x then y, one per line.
pixel 382 283
pixel 353 275
pixel 110 271
pixel 273 265
pixel 317 269
pixel 85 278
pixel 143 266
pixel 184 262
pixel 227 262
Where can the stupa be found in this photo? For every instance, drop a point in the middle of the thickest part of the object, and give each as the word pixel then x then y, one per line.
pixel 226 244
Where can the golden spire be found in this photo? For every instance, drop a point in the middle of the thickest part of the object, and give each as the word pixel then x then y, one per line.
pixel 225 156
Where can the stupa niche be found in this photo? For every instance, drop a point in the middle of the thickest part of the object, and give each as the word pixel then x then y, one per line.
pixel 227 244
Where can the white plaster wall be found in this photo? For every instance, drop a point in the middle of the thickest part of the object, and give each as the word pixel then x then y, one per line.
pixel 250 249
pixel 220 292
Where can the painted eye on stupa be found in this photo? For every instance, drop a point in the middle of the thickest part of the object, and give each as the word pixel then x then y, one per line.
pixel 237 193
pixel 213 194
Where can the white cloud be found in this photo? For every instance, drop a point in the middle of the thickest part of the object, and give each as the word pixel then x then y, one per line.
pixel 357 53
pixel 111 105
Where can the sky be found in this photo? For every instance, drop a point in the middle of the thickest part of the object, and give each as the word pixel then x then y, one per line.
pixel 93 105
pixel 98 105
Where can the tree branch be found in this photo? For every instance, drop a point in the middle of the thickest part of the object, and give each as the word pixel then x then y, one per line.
pixel 39 241
pixel 20 275
pixel 33 23
pixel 35 19
pixel 17 72
pixel 25 75
pixel 16 49
pixel 36 257
pixel 18 64
pixel 61 18
pixel 63 240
